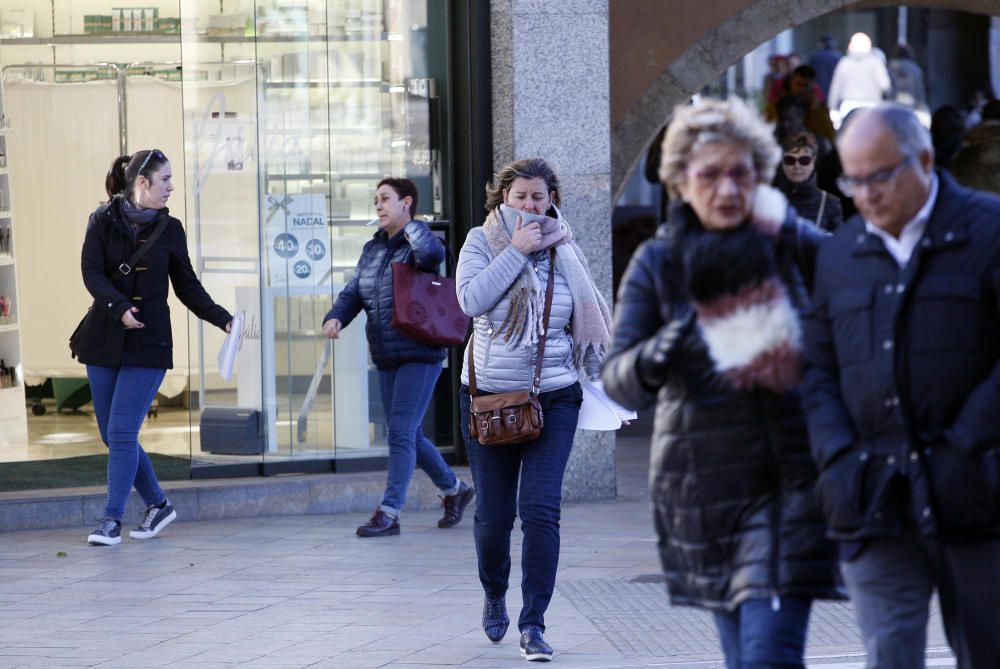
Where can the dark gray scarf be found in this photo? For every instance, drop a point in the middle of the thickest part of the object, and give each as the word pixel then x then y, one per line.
pixel 135 216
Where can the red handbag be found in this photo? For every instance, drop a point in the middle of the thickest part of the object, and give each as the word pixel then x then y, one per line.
pixel 425 306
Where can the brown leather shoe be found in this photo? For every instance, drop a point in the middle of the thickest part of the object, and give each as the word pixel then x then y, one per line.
pixel 381 524
pixel 454 505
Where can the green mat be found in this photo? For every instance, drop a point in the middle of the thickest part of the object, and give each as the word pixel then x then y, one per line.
pixel 80 471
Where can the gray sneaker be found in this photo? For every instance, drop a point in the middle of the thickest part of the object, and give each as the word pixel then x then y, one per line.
pixel 107 533
pixel 154 519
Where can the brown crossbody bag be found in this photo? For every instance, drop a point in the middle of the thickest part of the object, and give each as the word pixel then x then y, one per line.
pixel 515 417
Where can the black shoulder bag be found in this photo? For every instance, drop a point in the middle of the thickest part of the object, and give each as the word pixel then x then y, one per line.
pixel 123 270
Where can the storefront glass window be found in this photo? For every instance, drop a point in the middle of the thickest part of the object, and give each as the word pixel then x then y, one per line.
pixel 279 118
pixel 343 97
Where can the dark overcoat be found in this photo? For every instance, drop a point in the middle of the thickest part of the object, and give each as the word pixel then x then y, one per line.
pixel 903 378
pixel 730 474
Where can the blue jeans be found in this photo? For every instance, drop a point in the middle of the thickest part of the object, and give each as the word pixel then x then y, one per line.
pixel 755 636
pixel 122 396
pixel 539 465
pixel 406 392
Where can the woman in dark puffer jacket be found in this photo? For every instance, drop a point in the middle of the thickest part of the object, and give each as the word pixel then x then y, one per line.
pixel 707 327
pixel 407 369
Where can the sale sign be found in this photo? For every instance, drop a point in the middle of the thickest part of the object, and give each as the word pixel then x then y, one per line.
pixel 298 239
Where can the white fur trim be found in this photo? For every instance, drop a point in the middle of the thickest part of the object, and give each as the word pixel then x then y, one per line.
pixel 737 339
pixel 770 206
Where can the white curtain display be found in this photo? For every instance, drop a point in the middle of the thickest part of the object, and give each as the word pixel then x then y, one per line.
pixel 64 137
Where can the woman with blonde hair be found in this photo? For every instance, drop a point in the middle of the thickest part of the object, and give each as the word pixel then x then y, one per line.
pixel 503 277
pixel 708 328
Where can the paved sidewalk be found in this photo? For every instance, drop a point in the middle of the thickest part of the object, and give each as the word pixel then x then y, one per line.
pixel 303 591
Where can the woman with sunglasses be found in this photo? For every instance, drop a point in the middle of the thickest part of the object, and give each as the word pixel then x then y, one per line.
pixel 708 328
pixel 127 348
pixel 797 180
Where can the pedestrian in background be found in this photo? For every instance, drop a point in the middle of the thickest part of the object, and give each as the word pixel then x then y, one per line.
pixel 903 352
pixel 707 328
pixel 907 78
pixel 947 134
pixel 407 369
pixel 777 69
pixel 503 270
pixel 797 180
pixel 860 79
pixel 801 87
pixel 128 346
pixel 977 163
pixel 824 61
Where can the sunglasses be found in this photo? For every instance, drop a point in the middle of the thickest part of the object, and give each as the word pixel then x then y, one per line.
pixel 801 160
pixel 146 160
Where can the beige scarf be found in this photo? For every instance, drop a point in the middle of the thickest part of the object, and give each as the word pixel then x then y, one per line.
pixel 591 321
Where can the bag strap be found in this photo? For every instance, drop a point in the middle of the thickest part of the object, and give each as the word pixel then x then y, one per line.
pixel 126 267
pixel 822 206
pixel 536 379
pixel 449 260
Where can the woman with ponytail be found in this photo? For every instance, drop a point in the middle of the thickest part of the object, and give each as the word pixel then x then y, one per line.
pixel 128 345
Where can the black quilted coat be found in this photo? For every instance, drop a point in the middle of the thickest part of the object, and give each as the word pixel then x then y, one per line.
pixel 371 289
pixel 109 242
pixel 730 473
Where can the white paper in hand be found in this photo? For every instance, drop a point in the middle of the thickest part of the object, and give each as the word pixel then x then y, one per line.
pixel 600 412
pixel 230 347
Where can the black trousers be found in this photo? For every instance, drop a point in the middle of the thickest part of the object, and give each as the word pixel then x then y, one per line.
pixel 891 584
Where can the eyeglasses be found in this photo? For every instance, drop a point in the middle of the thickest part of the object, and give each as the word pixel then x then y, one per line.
pixel 146 160
pixel 849 186
pixel 801 160
pixel 741 174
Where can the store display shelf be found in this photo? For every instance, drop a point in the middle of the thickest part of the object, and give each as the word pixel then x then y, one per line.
pixel 3 170
pixel 322 132
pixel 333 83
pixel 281 39
pixel 113 38
pixel 6 259
pixel 9 389
pixel 311 176
pixel 172 38
pixel 10 327
pixel 361 222
pixel 4 213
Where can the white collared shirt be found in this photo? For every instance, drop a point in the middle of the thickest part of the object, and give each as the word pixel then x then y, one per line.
pixel 901 249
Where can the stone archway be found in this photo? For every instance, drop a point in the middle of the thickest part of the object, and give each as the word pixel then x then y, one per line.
pixel 710 49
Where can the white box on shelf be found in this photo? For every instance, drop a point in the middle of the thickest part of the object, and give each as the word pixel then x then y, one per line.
pixel 17 22
pixel 13 418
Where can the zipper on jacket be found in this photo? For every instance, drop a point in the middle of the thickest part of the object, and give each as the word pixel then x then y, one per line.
pixel 385 264
pixel 775 561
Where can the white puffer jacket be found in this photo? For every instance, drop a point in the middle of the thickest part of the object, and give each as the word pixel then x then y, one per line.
pixel 483 282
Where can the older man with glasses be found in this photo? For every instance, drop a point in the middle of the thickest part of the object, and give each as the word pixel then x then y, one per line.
pixel 903 395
